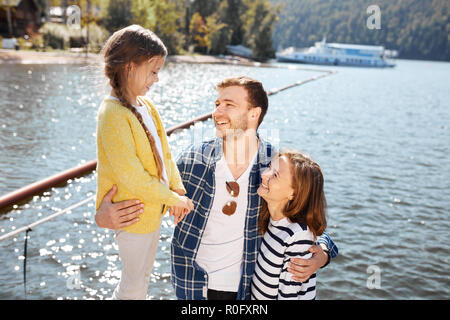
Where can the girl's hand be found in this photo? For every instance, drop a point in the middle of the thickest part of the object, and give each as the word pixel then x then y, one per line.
pixel 178 213
pixel 181 209
pixel 185 203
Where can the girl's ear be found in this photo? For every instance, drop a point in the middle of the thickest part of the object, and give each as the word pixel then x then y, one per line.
pixel 130 67
pixel 126 70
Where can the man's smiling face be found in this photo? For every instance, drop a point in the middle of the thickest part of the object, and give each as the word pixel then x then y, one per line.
pixel 231 114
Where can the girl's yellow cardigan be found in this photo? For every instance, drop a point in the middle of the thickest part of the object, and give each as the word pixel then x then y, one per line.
pixel 125 158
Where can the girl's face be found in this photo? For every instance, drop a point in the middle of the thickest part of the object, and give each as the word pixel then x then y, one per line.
pixel 276 185
pixel 143 76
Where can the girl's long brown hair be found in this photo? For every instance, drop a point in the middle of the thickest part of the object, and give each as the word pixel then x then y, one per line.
pixel 133 44
pixel 308 205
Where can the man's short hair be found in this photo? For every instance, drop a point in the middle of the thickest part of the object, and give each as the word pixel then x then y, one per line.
pixel 257 96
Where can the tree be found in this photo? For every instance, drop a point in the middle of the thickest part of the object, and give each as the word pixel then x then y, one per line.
pixel 143 14
pixel 262 46
pixel 199 33
pixel 119 15
pixel 230 13
pixel 260 18
pixel 160 16
pixel 167 18
pixel 219 35
pixel 204 7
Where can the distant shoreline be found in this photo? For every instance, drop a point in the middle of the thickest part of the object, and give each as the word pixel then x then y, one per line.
pixel 34 57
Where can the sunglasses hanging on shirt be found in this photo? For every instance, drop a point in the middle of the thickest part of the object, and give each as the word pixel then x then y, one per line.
pixel 233 189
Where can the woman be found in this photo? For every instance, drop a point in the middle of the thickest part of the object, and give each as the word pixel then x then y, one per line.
pixel 292 217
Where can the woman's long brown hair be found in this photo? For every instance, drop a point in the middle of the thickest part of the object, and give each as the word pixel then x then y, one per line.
pixel 308 205
pixel 133 44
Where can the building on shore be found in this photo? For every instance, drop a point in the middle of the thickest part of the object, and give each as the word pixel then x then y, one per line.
pixel 19 18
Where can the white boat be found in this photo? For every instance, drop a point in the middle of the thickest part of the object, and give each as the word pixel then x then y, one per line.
pixel 339 54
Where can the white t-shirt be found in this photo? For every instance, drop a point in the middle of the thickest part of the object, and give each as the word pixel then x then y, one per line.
pixel 222 246
pixel 148 120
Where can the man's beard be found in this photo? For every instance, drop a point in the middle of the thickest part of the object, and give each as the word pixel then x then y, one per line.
pixel 236 130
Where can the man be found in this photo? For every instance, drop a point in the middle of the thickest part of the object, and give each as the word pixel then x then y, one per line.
pixel 215 247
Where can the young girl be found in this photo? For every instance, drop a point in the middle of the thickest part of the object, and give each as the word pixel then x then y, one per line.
pixel 133 153
pixel 292 217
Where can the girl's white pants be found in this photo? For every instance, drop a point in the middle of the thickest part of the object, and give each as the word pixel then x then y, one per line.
pixel 137 253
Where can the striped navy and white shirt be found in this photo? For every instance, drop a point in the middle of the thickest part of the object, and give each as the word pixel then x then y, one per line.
pixel 282 241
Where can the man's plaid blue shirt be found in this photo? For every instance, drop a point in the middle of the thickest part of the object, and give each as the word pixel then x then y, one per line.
pixel 197 167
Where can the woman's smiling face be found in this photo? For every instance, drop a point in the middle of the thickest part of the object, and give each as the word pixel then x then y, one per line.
pixel 276 184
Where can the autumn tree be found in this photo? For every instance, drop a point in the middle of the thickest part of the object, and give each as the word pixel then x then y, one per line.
pixel 199 33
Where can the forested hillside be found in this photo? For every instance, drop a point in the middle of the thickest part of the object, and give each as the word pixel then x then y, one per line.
pixel 418 29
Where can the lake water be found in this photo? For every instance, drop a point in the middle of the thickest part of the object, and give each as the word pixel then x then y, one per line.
pixel 381 136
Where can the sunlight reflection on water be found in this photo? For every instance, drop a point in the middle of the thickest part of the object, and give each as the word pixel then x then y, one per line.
pixel 372 131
